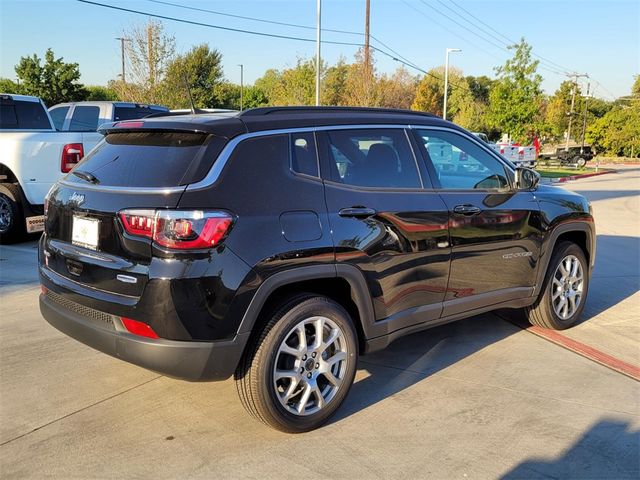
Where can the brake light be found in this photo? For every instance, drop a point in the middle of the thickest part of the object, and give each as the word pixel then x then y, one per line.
pixel 72 153
pixel 178 229
pixel 138 328
pixel 129 124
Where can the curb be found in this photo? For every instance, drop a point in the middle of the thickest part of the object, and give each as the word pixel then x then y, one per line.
pixel 578 177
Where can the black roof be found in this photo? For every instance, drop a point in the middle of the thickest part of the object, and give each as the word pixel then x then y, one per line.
pixel 274 118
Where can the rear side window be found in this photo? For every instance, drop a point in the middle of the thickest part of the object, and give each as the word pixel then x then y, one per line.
pixel 85 119
pixel 149 159
pixel 131 113
pixel 304 158
pixel 19 115
pixel 380 158
pixel 58 116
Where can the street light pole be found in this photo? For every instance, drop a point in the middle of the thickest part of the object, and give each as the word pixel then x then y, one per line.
pixel 584 120
pixel 241 85
pixel 318 23
pixel 446 79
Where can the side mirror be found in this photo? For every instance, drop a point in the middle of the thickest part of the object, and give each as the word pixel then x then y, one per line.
pixel 526 178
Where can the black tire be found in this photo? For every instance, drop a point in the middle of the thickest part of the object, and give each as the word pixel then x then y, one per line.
pixel 579 161
pixel 255 374
pixel 542 313
pixel 12 227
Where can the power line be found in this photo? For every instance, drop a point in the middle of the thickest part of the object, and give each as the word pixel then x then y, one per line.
pixel 286 24
pixel 252 32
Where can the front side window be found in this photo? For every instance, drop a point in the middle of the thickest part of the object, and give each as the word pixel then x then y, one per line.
pixel 459 163
pixel 58 115
pixel 84 119
pixel 379 158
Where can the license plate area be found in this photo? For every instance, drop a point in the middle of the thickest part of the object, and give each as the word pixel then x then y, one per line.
pixel 84 232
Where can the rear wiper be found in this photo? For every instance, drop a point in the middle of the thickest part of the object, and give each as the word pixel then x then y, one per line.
pixel 86 176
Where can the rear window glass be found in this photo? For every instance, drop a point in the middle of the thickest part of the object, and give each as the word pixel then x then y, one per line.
pixel 148 159
pixel 19 115
pixel 58 115
pixel 84 119
pixel 131 113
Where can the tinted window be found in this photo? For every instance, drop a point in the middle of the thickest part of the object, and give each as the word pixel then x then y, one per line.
pixel 459 163
pixel 23 115
pixel 145 159
pixel 58 115
pixel 304 158
pixel 84 119
pixel 131 113
pixel 372 158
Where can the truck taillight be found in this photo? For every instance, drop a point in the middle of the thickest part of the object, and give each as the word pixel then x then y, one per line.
pixel 178 229
pixel 72 153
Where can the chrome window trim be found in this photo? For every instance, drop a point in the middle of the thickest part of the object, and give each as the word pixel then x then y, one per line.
pixel 135 190
pixel 217 168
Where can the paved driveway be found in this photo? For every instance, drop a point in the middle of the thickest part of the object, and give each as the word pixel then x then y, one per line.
pixel 479 398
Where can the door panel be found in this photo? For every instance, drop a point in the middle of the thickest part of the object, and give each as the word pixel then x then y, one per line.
pixel 495 231
pixel 396 236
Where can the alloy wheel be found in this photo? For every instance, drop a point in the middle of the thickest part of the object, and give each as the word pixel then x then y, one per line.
pixel 310 365
pixel 568 284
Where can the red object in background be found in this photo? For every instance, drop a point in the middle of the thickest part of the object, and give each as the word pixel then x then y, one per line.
pixel 536 145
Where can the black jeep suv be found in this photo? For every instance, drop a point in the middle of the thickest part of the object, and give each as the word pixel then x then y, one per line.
pixel 278 244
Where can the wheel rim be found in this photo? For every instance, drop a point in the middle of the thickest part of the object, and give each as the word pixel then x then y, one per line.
pixel 568 284
pixel 5 214
pixel 310 365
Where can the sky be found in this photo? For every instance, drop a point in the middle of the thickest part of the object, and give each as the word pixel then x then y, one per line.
pixel 601 38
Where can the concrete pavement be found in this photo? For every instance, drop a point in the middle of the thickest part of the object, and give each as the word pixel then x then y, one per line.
pixel 474 399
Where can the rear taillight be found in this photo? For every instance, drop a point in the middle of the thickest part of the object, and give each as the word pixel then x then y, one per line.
pixel 178 229
pixel 72 153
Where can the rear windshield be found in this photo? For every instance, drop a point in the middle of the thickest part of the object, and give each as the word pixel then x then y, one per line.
pixel 131 113
pixel 149 159
pixel 18 115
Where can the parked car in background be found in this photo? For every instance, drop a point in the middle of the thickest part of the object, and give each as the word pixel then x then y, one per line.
pixel 38 146
pixel 278 244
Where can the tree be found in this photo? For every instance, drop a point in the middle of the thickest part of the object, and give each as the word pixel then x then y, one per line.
pixel 54 82
pixel 201 67
pixel 254 97
pixel 559 108
pixel 430 93
pixel 9 86
pixel 397 90
pixel 360 89
pixel 335 83
pixel 515 100
pixel 99 93
pixel 148 55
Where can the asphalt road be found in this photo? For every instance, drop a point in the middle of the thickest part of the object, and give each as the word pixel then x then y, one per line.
pixel 479 398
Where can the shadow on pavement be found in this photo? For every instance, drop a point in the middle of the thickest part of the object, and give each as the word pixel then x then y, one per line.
pixel 415 357
pixel 609 449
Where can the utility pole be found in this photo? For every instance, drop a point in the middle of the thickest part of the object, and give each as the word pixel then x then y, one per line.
pixel 318 26
pixel 446 79
pixel 241 84
pixel 366 34
pixel 584 119
pixel 573 101
pixel 122 40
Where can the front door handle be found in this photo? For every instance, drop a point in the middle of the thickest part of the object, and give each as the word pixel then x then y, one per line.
pixel 467 210
pixel 357 212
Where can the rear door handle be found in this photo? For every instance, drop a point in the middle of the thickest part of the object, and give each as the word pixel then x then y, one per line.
pixel 467 210
pixel 357 212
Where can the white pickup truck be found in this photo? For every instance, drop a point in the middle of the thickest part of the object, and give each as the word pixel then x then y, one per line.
pixel 38 146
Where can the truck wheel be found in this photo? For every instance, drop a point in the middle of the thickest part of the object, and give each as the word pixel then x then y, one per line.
pixel 301 366
pixel 579 161
pixel 11 219
pixel 564 291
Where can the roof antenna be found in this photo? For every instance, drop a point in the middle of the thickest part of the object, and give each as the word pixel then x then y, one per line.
pixel 186 85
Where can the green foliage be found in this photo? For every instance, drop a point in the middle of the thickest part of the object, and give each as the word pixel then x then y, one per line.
pixel 254 97
pixel 54 82
pixel 201 68
pixel 430 93
pixel 335 83
pixel 515 100
pixel 99 93
pixel 9 86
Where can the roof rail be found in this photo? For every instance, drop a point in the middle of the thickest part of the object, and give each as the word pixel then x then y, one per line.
pixel 306 109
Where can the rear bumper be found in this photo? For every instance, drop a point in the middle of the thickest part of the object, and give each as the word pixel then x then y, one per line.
pixel 193 361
